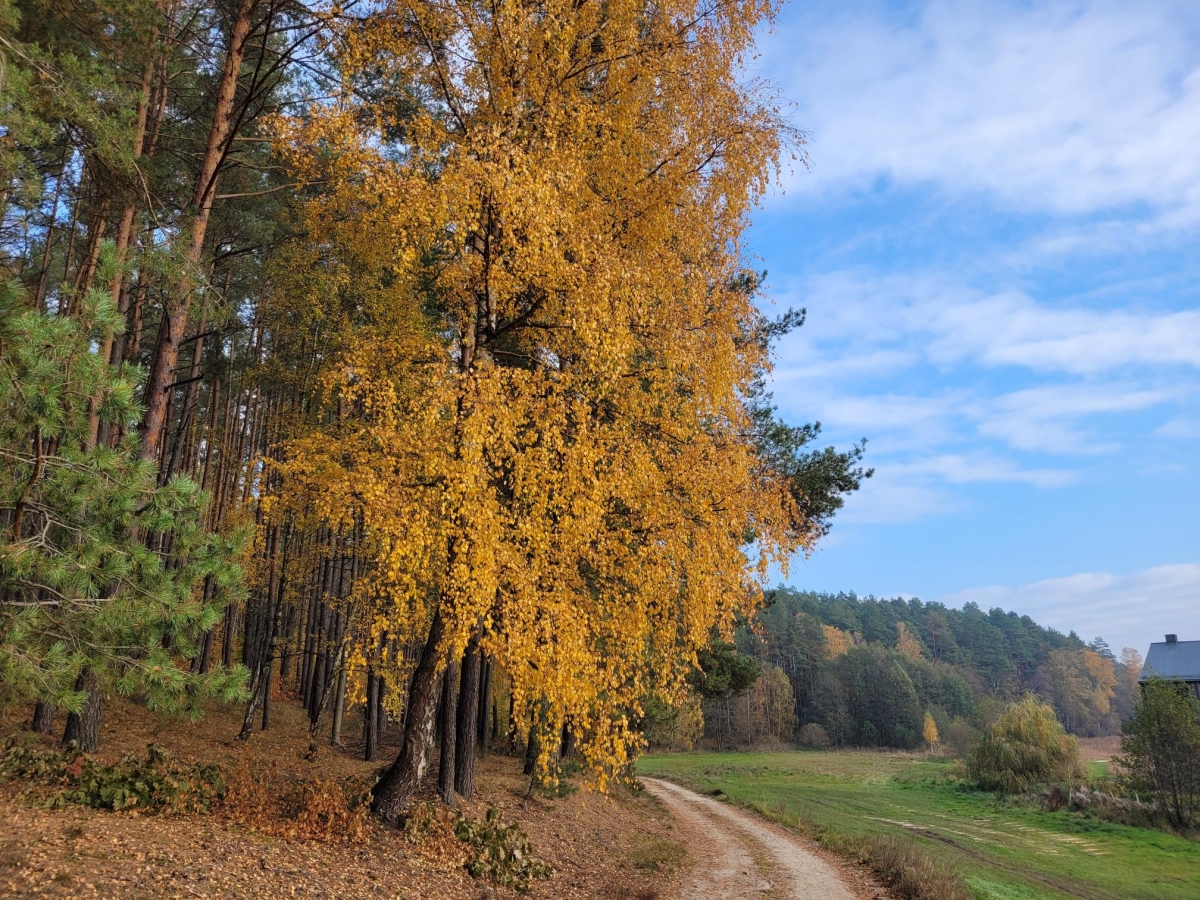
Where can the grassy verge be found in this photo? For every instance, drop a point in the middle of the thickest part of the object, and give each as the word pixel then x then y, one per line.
pixel 867 802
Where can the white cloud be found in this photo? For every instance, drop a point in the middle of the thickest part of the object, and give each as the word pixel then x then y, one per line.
pixel 891 499
pixel 957 469
pixel 1063 105
pixel 905 491
pixel 1183 429
pixel 911 420
pixel 888 320
pixel 1127 610
pixel 1012 329
pixel 1076 119
pixel 1046 418
pixel 872 341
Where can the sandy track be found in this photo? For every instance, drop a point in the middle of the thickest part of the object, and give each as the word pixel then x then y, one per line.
pixel 738 857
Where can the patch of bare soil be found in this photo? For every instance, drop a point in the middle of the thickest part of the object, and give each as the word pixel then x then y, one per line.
pixel 623 846
pixel 739 856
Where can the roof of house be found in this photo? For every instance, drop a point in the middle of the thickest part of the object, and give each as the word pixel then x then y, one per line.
pixel 1175 660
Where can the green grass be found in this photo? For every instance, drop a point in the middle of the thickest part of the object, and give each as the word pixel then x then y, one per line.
pixel 1003 849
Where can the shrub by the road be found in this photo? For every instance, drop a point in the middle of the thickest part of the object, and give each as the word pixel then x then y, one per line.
pixel 899 863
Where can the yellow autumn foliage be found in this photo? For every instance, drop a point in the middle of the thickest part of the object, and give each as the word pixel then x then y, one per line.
pixel 906 643
pixel 837 641
pixel 537 351
pixel 929 732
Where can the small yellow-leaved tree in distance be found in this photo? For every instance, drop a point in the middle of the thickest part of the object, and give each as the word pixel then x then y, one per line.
pixel 929 732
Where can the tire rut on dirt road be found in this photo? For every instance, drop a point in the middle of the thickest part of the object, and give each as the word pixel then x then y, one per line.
pixel 738 857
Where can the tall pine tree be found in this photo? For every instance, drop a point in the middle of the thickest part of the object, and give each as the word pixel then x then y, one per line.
pixel 89 601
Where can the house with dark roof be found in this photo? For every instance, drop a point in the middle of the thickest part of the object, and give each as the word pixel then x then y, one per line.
pixel 1174 660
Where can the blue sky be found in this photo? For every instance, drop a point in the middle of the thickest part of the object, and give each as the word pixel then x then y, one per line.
pixel 997 242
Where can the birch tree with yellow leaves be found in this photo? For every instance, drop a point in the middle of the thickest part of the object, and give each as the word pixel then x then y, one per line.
pixel 542 418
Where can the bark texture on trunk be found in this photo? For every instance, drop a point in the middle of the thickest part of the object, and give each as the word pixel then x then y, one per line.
pixel 227 636
pixel 449 728
pixel 531 751
pixel 161 376
pixel 339 709
pixel 371 719
pixel 485 707
pixel 43 718
pixel 468 716
pixel 83 727
pixel 398 784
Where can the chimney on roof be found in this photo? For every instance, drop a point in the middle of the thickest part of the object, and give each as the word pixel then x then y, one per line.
pixel 1172 639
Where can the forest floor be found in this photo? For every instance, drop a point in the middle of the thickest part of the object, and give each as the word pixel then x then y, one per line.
pixel 624 845
pixel 1002 849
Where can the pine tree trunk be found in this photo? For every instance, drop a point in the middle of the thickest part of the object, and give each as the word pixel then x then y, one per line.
pixel 496 719
pixel 485 707
pixel 203 660
pixel 268 679
pixel 468 717
pixel 306 658
pixel 227 636
pixel 43 718
pixel 175 317
pixel 316 683
pixel 449 727
pixel 370 719
pixel 381 716
pixel 260 681
pixel 204 657
pixel 339 708
pixel 83 727
pixel 398 784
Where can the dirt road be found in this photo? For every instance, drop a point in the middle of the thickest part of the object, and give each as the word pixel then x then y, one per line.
pixel 737 856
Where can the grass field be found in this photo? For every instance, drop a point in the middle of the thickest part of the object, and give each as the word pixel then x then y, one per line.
pixel 1004 850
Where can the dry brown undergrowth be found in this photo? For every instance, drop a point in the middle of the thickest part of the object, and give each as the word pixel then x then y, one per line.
pixel 292 827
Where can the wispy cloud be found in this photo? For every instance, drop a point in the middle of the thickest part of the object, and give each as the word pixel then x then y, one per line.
pixel 955 385
pixel 1182 429
pixel 873 338
pixel 995 248
pixel 893 318
pixel 1127 610
pixel 1063 105
pixel 1046 418
pixel 892 498
pixel 905 491
pixel 1012 329
pixel 958 469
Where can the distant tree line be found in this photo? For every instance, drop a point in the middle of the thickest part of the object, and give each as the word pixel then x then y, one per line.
pixel 863 671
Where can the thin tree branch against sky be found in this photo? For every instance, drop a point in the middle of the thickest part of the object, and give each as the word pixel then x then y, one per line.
pixel 995 244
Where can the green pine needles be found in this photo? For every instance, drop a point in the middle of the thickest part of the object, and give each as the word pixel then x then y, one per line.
pixel 101 569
